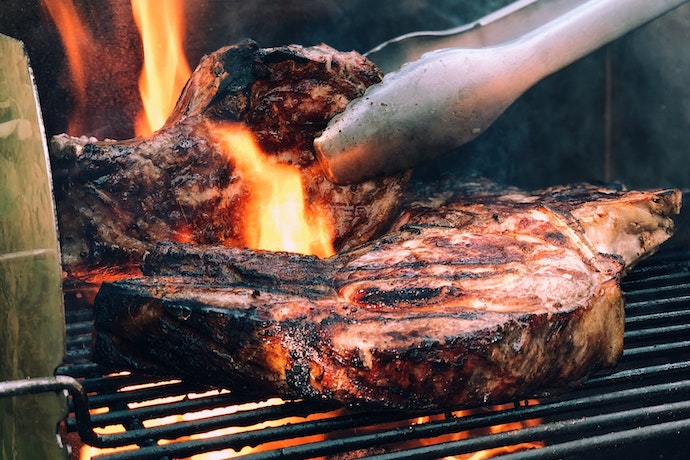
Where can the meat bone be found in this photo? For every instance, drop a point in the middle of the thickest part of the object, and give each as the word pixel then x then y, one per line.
pixel 449 96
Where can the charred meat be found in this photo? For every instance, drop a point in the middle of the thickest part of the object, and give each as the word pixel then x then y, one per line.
pixel 479 295
pixel 116 199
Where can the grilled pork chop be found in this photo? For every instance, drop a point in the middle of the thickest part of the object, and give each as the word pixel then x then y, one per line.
pixel 481 295
pixel 116 199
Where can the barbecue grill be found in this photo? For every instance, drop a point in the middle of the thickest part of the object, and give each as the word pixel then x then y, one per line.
pixel 641 408
pixel 642 405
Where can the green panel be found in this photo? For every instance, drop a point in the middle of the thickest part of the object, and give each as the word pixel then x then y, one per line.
pixel 32 321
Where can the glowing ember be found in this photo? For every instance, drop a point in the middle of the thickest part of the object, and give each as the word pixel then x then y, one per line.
pixel 276 216
pixel 165 70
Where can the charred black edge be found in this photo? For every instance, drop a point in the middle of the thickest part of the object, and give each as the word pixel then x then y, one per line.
pixel 242 67
pixel 244 64
pixel 276 271
pixel 172 340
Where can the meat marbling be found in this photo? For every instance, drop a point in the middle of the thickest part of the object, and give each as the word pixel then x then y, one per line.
pixel 481 294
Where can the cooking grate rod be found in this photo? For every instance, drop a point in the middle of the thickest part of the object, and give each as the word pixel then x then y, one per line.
pixel 637 373
pixel 85 370
pixel 574 449
pixel 656 349
pixel 676 291
pixel 188 428
pixel 436 428
pixel 652 376
pixel 651 331
pixel 649 416
pixel 658 274
pixel 680 301
pixel 145 394
pixel 256 437
pixel 645 319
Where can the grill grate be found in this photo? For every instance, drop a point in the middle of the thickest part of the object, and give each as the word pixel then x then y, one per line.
pixel 614 414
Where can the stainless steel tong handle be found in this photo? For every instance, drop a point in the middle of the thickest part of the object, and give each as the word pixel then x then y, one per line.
pixel 448 97
pixel 501 26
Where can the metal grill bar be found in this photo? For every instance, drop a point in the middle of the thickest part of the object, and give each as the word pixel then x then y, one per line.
pixel 637 373
pixel 656 349
pixel 255 437
pixel 643 319
pixel 569 428
pixel 509 438
pixel 402 434
pixel 654 331
pixel 645 433
pixel 243 419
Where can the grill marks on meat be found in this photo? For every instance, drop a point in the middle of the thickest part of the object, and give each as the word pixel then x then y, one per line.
pixel 529 236
pixel 493 272
pixel 116 199
pixel 480 295
pixel 628 223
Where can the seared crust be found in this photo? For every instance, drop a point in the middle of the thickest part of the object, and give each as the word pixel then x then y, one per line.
pixel 481 300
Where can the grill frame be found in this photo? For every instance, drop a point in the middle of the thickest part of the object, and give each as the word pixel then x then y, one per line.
pixel 645 398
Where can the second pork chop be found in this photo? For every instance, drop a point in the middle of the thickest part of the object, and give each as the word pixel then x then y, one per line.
pixel 117 199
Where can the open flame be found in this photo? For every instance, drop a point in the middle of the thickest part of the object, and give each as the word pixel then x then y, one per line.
pixel 78 42
pixel 165 70
pixel 276 214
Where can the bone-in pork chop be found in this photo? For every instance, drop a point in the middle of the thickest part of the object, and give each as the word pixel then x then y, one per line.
pixel 478 295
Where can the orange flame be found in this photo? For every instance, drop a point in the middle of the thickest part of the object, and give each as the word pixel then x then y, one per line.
pixel 165 70
pixel 78 42
pixel 276 216
pixel 494 429
pixel 87 452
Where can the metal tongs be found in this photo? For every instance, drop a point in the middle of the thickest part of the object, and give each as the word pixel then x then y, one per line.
pixel 454 84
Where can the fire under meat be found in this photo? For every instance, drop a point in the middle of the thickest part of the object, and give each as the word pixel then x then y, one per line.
pixel 116 199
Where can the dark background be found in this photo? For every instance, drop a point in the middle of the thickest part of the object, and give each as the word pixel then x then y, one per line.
pixel 620 114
